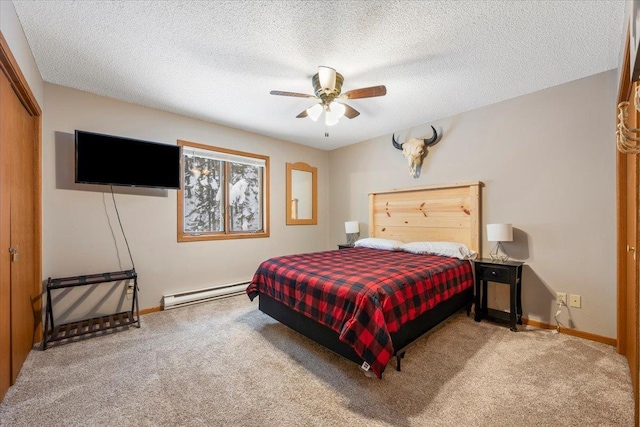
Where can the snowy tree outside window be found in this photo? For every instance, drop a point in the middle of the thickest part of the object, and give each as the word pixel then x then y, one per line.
pixel 203 199
pixel 223 195
pixel 245 199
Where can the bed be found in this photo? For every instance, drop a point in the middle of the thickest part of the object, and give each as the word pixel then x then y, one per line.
pixel 369 305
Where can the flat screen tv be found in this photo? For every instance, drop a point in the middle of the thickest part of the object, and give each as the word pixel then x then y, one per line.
pixel 114 160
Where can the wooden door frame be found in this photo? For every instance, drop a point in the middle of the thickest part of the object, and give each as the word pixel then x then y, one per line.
pixel 9 66
pixel 624 92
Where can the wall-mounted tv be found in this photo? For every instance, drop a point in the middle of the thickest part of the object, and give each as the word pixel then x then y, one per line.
pixel 114 160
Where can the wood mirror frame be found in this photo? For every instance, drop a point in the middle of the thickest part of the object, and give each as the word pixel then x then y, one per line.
pixel 302 207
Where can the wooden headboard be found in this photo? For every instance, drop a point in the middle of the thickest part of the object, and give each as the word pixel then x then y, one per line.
pixel 444 213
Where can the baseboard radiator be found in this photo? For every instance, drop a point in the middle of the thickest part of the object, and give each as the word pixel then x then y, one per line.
pixel 201 295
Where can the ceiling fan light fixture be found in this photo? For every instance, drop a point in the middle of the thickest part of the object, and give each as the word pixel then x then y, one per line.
pixel 314 112
pixel 327 87
pixel 327 77
pixel 334 111
pixel 338 108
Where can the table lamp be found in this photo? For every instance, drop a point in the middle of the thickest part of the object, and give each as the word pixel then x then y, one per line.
pixel 499 233
pixel 353 232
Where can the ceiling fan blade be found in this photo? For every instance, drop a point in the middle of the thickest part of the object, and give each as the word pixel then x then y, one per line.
pixel 350 112
pixel 365 92
pixel 302 115
pixel 296 94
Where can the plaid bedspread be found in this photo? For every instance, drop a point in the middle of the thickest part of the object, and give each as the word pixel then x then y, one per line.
pixel 362 294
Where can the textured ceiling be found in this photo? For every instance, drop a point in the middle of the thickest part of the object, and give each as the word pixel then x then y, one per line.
pixel 218 60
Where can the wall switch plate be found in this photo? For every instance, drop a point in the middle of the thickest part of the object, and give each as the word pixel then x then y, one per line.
pixel 561 297
pixel 575 301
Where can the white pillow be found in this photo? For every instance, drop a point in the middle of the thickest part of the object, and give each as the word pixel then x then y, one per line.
pixel 450 249
pixel 377 243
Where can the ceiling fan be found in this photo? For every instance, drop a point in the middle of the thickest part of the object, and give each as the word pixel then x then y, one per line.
pixel 327 84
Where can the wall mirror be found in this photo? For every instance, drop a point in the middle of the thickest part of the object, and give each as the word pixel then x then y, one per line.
pixel 302 194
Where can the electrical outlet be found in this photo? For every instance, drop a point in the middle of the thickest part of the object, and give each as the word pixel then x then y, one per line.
pixel 561 298
pixel 130 289
pixel 575 301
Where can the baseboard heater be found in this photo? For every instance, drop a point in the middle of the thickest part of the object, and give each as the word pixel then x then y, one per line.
pixel 201 295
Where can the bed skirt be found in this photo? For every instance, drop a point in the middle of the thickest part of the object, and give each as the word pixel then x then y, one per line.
pixel 403 338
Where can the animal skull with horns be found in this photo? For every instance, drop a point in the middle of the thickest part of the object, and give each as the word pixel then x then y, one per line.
pixel 414 150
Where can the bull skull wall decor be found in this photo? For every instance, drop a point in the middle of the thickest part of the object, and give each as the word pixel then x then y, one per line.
pixel 415 150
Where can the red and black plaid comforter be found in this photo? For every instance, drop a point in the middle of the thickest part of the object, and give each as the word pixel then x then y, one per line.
pixel 362 294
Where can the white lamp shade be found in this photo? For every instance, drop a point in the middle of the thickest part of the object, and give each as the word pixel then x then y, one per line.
pixel 499 232
pixel 334 112
pixel 314 112
pixel 327 77
pixel 351 227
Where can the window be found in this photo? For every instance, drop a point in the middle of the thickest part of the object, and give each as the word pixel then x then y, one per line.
pixel 225 194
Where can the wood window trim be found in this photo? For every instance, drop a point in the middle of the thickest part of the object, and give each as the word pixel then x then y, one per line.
pixel 227 235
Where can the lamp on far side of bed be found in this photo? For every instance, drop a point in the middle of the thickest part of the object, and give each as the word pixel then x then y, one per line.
pixel 499 233
pixel 353 232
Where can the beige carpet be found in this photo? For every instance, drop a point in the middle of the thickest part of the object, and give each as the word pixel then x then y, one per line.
pixel 224 363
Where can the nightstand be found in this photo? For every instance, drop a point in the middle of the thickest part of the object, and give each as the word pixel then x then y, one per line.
pixel 507 272
pixel 344 246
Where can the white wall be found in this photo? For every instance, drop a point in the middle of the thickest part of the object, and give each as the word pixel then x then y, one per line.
pixel 13 34
pixel 79 225
pixel 548 164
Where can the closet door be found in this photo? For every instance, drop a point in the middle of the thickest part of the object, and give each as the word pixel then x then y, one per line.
pixel 20 213
pixel 632 255
pixel 628 215
pixel 5 273
pixel 24 290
